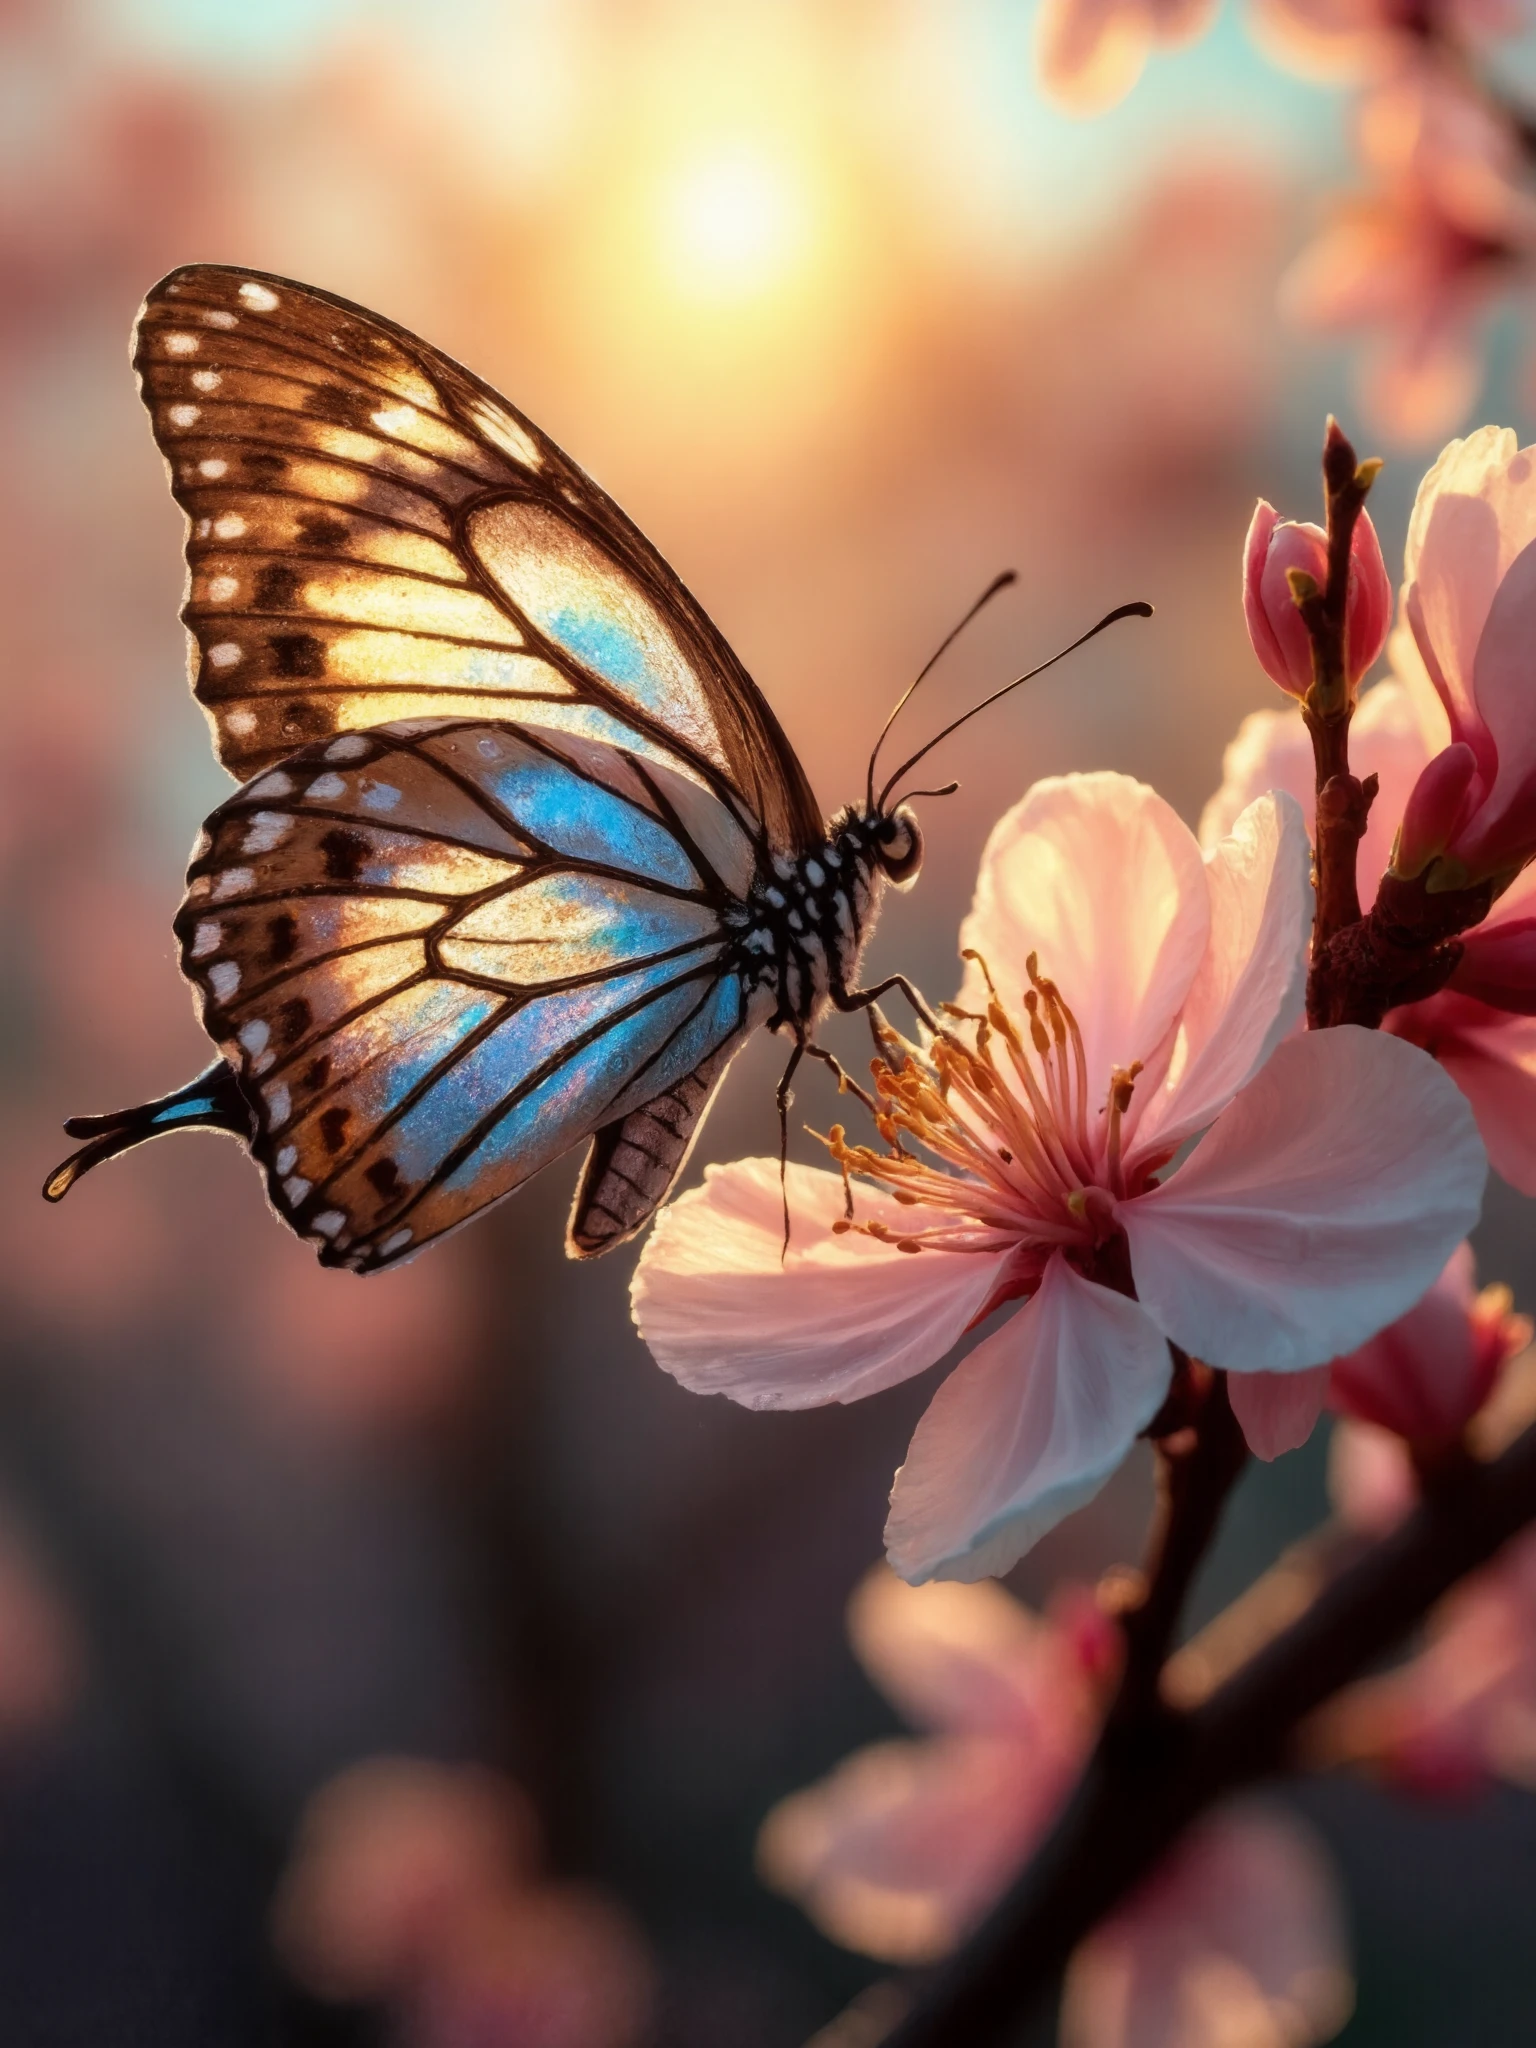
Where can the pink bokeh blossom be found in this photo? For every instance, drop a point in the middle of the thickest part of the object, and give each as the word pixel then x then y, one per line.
pixel 1424 254
pixel 1336 1174
pixel 906 1844
pixel 1462 1711
pixel 1334 39
pixel 1089 53
pixel 1276 549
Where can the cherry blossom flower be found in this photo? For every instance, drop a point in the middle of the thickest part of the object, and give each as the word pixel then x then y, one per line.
pixel 1424 256
pixel 902 1849
pixel 1089 53
pixel 1426 1375
pixel 1336 1174
pixel 1275 550
pixel 1482 1026
pixel 1330 39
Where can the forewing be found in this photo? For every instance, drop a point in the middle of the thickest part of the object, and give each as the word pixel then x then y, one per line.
pixel 375 535
pixel 440 954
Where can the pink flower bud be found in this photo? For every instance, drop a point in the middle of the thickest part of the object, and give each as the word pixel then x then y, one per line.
pixel 1426 1375
pixel 1434 809
pixel 1277 549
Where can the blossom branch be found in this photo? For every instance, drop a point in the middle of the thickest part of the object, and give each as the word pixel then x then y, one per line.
pixel 1343 801
pixel 1146 1782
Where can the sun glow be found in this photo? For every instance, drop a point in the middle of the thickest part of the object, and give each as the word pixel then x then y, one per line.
pixel 737 222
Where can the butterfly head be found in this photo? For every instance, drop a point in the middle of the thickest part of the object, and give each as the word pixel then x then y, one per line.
pixel 898 846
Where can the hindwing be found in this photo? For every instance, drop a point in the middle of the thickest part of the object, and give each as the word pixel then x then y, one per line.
pixel 376 535
pixel 439 954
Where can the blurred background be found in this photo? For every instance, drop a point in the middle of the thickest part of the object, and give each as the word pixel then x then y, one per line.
pixel 848 318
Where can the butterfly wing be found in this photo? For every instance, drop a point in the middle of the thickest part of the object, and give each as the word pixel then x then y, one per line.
pixel 375 535
pixel 440 953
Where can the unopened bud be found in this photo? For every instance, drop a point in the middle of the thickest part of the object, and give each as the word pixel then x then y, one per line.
pixel 1285 563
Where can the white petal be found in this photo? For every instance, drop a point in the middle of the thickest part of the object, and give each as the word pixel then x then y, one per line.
pixel 1025 1429
pixel 1252 982
pixel 1319 1207
pixel 726 1312
pixel 1103 879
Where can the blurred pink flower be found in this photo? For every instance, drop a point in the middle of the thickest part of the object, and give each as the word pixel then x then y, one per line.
pixel 1349 38
pixel 1426 1375
pixel 1089 53
pixel 413 1885
pixel 1463 1710
pixel 1278 548
pixel 42 1654
pixel 901 1850
pixel 1337 1174
pixel 1423 257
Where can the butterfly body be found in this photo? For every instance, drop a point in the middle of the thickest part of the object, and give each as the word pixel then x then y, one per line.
pixel 521 856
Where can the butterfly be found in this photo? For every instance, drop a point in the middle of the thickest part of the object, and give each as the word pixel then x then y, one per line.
pixel 521 855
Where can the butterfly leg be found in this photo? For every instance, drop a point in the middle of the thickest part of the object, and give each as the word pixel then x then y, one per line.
pixel 784 1097
pixel 212 1102
pixel 845 1080
pixel 849 999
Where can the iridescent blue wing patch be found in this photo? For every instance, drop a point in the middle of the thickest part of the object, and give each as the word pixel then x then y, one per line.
pixel 375 535
pixel 439 954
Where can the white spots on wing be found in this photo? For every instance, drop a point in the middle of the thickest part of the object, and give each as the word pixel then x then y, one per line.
pixel 214 318
pixel 240 722
pixel 267 829
pixel 279 1104
pixel 206 939
pixel 396 1242
pixel 258 297
pixel 184 415
pixel 203 528
pixel 223 979
pixel 296 1187
pixel 182 344
pixel 380 796
pixel 233 882
pixel 206 380
pixel 815 873
pixel 350 747
pixel 224 653
pixel 504 433
pixel 213 467
pixel 329 1222
pixel 228 526
pixel 222 588
pixel 276 784
pixel 395 419
pixel 254 1036
pixel 287 1159
pixel 489 748
pixel 325 787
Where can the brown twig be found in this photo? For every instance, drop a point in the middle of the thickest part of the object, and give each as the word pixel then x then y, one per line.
pixel 1134 1800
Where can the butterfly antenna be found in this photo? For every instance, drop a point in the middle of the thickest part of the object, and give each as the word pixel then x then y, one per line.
pixel 998 583
pixel 1139 610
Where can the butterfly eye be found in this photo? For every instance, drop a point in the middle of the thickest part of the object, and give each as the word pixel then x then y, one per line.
pixel 899 848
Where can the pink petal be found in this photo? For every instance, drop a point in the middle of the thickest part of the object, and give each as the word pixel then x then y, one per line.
pixel 725 1312
pixel 1493 1063
pixel 1371 1480
pixel 1277 1411
pixel 968 1659
pixel 904 1846
pixel 1252 982
pixel 1498 961
pixel 1501 677
pixel 1025 1429
pixel 1237 1937
pixel 1319 1206
pixel 1103 880
pixel 1475 511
